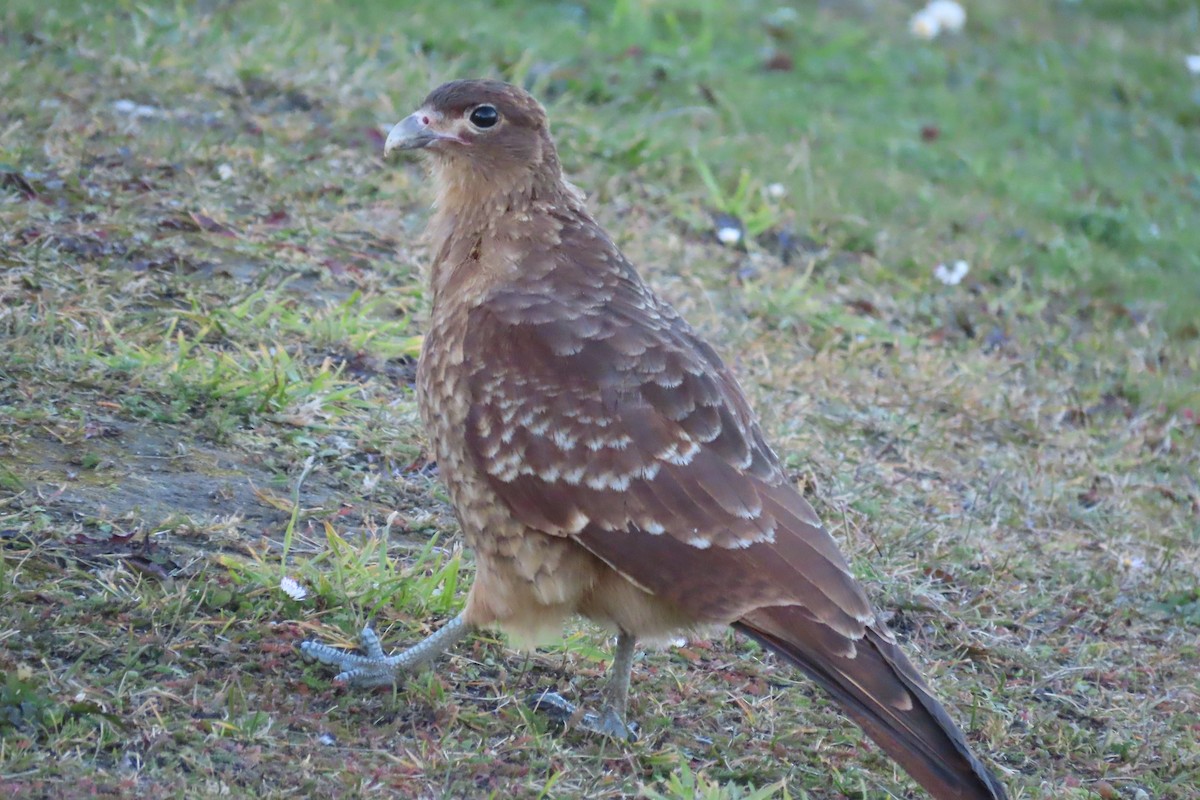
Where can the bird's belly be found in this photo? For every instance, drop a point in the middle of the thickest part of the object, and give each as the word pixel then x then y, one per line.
pixel 530 585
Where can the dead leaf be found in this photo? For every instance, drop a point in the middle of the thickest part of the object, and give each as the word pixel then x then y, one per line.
pixel 940 575
pixel 375 137
pixel 863 306
pixel 15 180
pixel 210 225
pixel 779 62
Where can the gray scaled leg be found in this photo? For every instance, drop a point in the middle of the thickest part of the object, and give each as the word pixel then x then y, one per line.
pixel 610 721
pixel 376 668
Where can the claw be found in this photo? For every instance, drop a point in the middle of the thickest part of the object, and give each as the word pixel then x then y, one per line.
pixel 607 723
pixel 373 667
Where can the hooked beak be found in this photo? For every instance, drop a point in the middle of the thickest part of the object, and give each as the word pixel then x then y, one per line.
pixel 412 133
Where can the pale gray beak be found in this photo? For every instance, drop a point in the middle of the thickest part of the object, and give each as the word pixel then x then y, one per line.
pixel 412 133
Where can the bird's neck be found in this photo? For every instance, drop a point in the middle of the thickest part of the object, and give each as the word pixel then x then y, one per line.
pixel 478 194
pixel 479 225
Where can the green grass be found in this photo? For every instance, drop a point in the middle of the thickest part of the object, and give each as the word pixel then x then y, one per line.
pixel 211 297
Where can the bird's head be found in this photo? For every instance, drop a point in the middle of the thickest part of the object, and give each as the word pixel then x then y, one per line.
pixel 480 132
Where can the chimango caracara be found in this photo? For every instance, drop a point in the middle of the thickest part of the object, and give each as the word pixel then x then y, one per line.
pixel 603 461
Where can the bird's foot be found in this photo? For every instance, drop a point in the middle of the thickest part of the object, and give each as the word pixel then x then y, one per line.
pixel 608 722
pixel 372 667
pixel 376 668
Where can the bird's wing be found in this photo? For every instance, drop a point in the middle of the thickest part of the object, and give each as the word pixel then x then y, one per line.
pixel 597 413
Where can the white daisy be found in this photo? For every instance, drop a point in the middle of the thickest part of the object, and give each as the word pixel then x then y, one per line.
pixel 950 16
pixel 292 588
pixel 729 235
pixel 953 275
pixel 924 25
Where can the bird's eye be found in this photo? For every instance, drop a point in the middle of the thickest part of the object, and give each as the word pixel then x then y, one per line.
pixel 484 116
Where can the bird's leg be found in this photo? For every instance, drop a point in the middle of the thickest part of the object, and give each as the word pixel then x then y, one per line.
pixel 610 721
pixel 376 668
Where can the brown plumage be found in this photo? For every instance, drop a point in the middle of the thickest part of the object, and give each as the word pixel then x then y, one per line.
pixel 603 461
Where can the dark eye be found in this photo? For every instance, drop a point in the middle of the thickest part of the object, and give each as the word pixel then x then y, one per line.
pixel 484 116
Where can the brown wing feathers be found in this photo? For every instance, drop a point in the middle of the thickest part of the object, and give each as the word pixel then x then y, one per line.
pixel 662 474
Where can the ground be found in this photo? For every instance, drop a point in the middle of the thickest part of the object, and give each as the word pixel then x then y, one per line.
pixel 211 300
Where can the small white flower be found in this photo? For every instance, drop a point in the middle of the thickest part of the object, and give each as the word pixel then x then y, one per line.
pixel 1193 63
pixel 292 588
pixel 134 110
pixel 952 276
pixel 225 172
pixel 950 16
pixel 729 235
pixel 776 191
pixel 924 25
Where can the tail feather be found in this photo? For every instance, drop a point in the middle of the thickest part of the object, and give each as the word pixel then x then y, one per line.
pixel 881 691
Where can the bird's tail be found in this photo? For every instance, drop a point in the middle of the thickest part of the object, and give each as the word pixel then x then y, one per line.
pixel 878 687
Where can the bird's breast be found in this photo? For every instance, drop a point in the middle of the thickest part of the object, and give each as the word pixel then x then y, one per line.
pixel 443 399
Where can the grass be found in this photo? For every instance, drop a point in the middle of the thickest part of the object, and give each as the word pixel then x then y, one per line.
pixel 210 301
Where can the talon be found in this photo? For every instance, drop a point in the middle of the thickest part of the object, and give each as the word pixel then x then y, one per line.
pixel 607 723
pixel 372 666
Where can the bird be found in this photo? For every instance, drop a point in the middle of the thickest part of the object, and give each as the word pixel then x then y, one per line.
pixel 603 461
